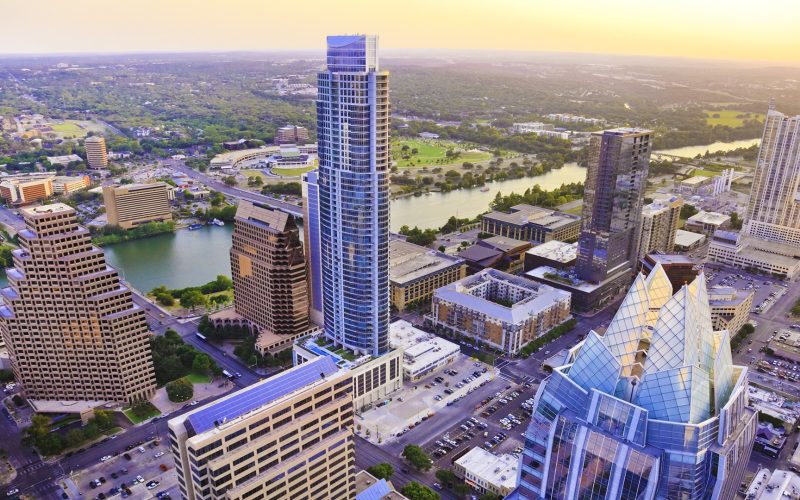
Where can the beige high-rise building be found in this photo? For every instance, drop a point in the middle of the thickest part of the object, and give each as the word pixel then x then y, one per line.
pixel 291 134
pixel 659 226
pixel 269 274
pixel 70 325
pixel 287 437
pixel 96 154
pixel 130 205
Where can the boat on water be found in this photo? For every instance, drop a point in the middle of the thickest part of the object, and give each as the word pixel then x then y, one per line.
pixel 216 222
pixel 195 226
pixel 485 189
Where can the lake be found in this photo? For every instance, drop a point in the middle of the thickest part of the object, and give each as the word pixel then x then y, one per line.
pixel 692 151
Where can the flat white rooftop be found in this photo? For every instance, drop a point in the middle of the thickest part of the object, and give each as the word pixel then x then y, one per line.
pixel 499 470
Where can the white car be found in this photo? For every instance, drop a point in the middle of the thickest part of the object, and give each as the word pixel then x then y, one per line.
pixel 13 492
pixel 159 454
pixel 193 403
pixel 106 458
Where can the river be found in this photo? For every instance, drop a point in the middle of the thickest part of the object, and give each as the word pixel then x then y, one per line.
pixel 692 151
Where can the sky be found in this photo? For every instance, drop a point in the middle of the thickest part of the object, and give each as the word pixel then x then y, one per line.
pixel 760 30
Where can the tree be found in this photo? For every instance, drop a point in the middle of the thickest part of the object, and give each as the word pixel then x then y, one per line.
pixel 688 211
pixel 142 409
pixel 446 477
pixel 382 470
pixel 490 496
pixel 103 419
pixel 192 298
pixel 229 180
pixel 736 222
pixel 415 491
pixel 180 390
pixel 51 444
pixel 201 363
pixel 74 437
pixel 417 457
pixel 40 426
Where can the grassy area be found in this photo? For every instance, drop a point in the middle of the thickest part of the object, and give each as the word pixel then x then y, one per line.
pixel 576 210
pixel 198 378
pixel 433 153
pixel 730 117
pixel 705 173
pixel 69 128
pixel 136 419
pixel 292 172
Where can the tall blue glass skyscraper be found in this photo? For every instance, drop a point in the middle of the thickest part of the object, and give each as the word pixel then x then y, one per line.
pixel 353 145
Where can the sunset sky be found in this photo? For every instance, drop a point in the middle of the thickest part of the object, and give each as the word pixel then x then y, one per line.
pixel 717 29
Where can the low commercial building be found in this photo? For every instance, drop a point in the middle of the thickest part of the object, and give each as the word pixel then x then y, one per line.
pixel 777 485
pixel 586 296
pixel 234 159
pixel 131 205
pixel 23 190
pixel 730 307
pixel 534 224
pixel 423 352
pixel 707 222
pixel 291 134
pixel 487 472
pixel 289 436
pixel 498 252
pixel 499 309
pixel 751 254
pixel 679 268
pixel 416 271
pixel 368 487
pixel 63 159
pixel 686 241
pixel 693 185
pixel 540 129
pixel 374 378
pixel 553 253
pixel 786 344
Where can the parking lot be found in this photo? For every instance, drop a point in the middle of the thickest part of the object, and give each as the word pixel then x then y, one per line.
pixel 417 401
pixel 146 470
pixel 766 289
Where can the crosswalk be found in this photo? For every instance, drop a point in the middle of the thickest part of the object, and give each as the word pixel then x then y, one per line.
pixel 32 466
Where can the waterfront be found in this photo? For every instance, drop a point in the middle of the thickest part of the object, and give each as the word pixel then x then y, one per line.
pixel 692 151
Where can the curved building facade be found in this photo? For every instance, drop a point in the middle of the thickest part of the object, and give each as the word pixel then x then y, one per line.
pixel 353 148
pixel 652 409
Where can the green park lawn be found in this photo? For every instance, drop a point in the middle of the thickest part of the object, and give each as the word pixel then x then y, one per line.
pixel 292 172
pixel 135 419
pixel 198 378
pixel 433 153
pixel 729 117
pixel 69 128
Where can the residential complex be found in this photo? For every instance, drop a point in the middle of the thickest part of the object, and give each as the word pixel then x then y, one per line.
pixel 654 408
pixel 423 352
pixel 658 226
pixel 416 271
pixel 540 129
pixel 487 472
pixel 499 309
pixel 612 203
pixel 131 205
pixel 289 436
pixel 707 222
pixel 269 274
pixel 353 144
pixel 70 325
pixel 96 154
pixel 730 308
pixel 534 224
pixel 291 134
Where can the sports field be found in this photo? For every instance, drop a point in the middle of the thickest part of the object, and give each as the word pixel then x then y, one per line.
pixel 433 153
pixel 730 117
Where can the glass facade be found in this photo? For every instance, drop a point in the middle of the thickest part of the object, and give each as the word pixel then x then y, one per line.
pixel 353 183
pixel 637 412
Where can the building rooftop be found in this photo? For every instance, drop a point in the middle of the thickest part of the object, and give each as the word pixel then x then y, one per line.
pixel 52 208
pixel 500 470
pixel 477 253
pixel 709 218
pixel 697 180
pixel 409 262
pixel 556 250
pixel 529 214
pixel 778 485
pixel 667 259
pixel 503 243
pixel 727 295
pixel 420 348
pixel 688 238
pixel 260 394
pixel 93 138
pixel 368 487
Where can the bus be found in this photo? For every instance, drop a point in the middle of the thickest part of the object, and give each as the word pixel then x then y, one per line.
pixel 201 337
pixel 228 374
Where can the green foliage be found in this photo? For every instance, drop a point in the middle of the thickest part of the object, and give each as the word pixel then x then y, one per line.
pixel 6 376
pixel 193 298
pixel 688 211
pixel 291 188
pixel 539 342
pixel 446 477
pixel 416 491
pixel 173 358
pixel 382 470
pixel 538 197
pixel 736 221
pixel 419 236
pixel 180 390
pixel 775 421
pixel 741 335
pixel 490 496
pixel 224 213
pixel 417 457
pixel 114 234
pixel 202 363
pixel 6 259
pixel 52 442
pixel 229 180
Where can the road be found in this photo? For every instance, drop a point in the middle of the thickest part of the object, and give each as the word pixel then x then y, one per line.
pixel 235 192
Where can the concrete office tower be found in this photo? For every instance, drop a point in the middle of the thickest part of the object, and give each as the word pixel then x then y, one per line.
pixel 659 226
pixel 269 272
pixel 612 202
pixel 291 134
pixel 289 436
pixel 773 212
pixel 353 148
pixel 96 154
pixel 131 205
pixel 654 408
pixel 312 246
pixel 72 330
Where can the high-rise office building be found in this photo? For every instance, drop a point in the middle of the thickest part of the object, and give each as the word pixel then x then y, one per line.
pixel 654 408
pixel 353 148
pixel 773 212
pixel 658 226
pixel 131 205
pixel 312 245
pixel 291 134
pixel 612 202
pixel 289 436
pixel 96 154
pixel 269 273
pixel 71 327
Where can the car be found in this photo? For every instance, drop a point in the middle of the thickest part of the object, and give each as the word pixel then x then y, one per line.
pixel 152 485
pixel 102 480
pixel 163 467
pixel 404 470
pixel 141 450
pixel 101 496
pixel 238 374
pixel 127 456
pixel 106 458
pixel 437 486
pixel 114 475
pixel 12 492
pixel 64 495
pixel 93 485
pixel 194 403
pixel 159 454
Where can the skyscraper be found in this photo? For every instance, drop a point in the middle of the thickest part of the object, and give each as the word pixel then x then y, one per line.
pixel 72 330
pixel 654 408
pixel 353 148
pixel 312 245
pixel 773 211
pixel 612 202
pixel 96 154
pixel 658 227
pixel 269 274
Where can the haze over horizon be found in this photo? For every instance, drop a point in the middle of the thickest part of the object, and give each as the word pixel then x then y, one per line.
pixel 734 30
